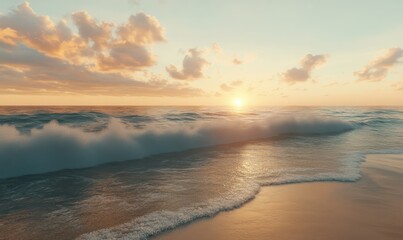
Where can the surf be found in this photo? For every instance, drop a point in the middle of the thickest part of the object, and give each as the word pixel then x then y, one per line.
pixel 55 146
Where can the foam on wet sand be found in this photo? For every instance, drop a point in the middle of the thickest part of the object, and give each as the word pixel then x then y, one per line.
pixel 370 208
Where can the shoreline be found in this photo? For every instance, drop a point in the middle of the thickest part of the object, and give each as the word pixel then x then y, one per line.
pixel 369 208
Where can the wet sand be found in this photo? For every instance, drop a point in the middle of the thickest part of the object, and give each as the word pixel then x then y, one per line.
pixel 371 208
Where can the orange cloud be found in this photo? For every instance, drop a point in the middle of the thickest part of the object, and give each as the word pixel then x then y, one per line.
pixel 303 73
pixel 8 36
pixel 99 44
pixel 141 29
pixel 126 56
pixel 130 49
pixel 25 70
pixel 192 66
pixel 90 30
pixel 34 30
pixel 38 56
pixel 378 69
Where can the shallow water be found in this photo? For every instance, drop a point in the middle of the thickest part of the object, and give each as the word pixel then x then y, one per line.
pixel 115 172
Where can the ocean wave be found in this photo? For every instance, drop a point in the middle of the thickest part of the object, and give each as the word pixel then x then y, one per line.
pixel 56 147
pixel 26 122
pixel 384 111
pixel 186 116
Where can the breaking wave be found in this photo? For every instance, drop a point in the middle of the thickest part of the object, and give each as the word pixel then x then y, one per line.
pixel 56 147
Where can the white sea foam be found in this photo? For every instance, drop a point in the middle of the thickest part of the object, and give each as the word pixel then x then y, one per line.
pixel 160 221
pixel 56 147
pixel 157 222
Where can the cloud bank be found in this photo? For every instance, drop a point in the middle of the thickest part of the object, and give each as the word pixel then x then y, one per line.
pixel 41 56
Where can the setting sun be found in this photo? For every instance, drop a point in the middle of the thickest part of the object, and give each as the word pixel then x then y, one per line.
pixel 238 102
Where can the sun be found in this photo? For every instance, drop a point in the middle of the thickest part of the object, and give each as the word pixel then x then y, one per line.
pixel 238 102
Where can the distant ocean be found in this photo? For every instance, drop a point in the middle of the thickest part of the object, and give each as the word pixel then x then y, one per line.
pixel 133 172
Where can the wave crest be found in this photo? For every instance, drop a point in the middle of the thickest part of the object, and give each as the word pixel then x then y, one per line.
pixel 56 147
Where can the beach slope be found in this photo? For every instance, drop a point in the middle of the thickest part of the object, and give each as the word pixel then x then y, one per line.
pixel 371 208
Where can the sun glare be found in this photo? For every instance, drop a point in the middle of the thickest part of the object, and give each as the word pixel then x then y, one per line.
pixel 238 102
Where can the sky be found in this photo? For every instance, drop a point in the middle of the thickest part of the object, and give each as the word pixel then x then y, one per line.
pixel 171 52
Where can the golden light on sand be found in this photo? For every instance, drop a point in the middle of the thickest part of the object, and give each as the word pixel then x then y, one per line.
pixel 238 102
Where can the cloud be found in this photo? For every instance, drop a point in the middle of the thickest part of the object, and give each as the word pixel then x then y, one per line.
pixel 127 56
pixel 129 50
pixel 38 56
pixel 303 73
pixel 141 29
pixel 378 69
pixel 44 74
pixel 192 66
pixel 24 25
pixel 216 48
pixel 102 45
pixel 231 86
pixel 237 61
pixel 99 33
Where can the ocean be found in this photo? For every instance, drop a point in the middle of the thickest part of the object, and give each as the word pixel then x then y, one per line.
pixel 134 172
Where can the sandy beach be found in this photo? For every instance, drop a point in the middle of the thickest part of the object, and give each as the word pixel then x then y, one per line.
pixel 370 208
